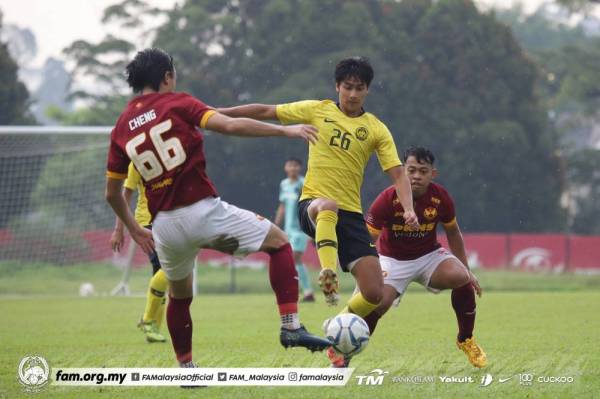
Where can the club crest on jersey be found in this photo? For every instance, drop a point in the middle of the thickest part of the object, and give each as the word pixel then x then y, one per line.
pixel 361 133
pixel 430 213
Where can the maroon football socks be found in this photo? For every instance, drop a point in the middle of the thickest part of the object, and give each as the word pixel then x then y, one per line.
pixel 463 302
pixel 179 322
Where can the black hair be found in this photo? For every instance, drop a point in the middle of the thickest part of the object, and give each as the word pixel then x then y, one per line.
pixel 148 68
pixel 354 67
pixel 421 154
pixel 292 159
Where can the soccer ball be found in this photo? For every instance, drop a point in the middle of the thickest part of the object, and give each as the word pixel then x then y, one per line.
pixel 348 333
pixel 86 289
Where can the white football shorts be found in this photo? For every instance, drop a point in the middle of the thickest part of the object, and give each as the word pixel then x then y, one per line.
pixel 209 223
pixel 400 273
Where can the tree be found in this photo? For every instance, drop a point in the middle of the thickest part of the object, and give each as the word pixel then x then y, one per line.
pixel 14 97
pixel 585 179
pixel 447 76
pixel 579 5
pixel 14 110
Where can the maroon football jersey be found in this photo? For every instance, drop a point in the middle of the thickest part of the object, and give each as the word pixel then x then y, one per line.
pixel 158 133
pixel 397 240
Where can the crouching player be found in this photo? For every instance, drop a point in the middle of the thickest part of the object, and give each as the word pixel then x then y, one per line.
pixel 407 255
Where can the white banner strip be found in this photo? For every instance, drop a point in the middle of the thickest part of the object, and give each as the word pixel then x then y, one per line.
pixel 200 376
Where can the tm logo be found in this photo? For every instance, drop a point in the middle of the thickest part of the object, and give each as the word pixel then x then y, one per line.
pixel 375 378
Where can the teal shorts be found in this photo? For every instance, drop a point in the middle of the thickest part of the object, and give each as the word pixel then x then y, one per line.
pixel 298 240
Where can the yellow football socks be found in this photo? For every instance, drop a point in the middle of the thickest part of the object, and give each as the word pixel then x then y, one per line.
pixel 359 305
pixel 326 239
pixel 159 316
pixel 155 299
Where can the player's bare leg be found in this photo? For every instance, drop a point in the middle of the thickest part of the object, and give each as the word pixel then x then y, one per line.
pixel 284 281
pixel 323 212
pixel 304 278
pixel 179 320
pixel 452 274
pixel 389 296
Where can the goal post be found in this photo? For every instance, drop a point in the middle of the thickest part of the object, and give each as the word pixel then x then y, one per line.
pixel 52 205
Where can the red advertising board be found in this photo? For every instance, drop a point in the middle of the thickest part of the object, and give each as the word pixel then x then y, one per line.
pixel 525 252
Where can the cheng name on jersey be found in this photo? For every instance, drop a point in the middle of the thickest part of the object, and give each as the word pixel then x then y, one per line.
pixel 157 132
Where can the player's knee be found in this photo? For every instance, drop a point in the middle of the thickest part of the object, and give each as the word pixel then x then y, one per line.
pixel 373 293
pixel 274 240
pixel 326 205
pixel 460 278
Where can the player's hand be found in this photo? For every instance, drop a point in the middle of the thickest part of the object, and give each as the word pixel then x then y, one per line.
pixel 116 240
pixel 305 132
pixel 143 238
pixel 410 218
pixel 475 283
pixel 328 281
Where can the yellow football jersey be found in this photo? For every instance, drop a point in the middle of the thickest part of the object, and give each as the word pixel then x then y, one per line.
pixel 337 162
pixel 134 182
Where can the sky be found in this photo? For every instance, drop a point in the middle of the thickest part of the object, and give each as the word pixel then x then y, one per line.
pixel 57 23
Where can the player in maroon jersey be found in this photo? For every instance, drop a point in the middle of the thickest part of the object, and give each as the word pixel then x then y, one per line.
pixel 407 255
pixel 158 132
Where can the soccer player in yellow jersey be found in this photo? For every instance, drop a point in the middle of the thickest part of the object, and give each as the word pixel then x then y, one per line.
pixel 330 209
pixel 155 299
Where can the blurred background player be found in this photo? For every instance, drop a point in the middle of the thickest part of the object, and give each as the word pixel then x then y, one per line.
pixel 157 131
pixel 152 318
pixel 287 212
pixel 330 209
pixel 408 255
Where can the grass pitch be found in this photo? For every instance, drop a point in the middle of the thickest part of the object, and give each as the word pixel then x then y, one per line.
pixel 543 333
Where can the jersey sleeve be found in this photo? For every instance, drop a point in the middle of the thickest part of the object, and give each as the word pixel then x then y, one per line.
pixel 379 212
pixel 448 214
pixel 195 111
pixel 297 112
pixel 133 178
pixel 117 162
pixel 386 149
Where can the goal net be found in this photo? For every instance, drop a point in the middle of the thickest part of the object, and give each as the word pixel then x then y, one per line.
pixel 52 206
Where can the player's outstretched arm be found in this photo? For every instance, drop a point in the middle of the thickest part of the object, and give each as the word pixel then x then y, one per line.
pixel 404 192
pixel 114 196
pixel 457 247
pixel 262 112
pixel 245 127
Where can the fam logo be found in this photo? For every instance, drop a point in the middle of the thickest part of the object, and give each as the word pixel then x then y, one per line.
pixel 361 133
pixel 33 373
pixel 430 213
pixel 375 378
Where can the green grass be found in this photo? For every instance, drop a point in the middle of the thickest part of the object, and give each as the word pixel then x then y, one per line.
pixel 547 327
pixel 47 280
pixel 537 331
